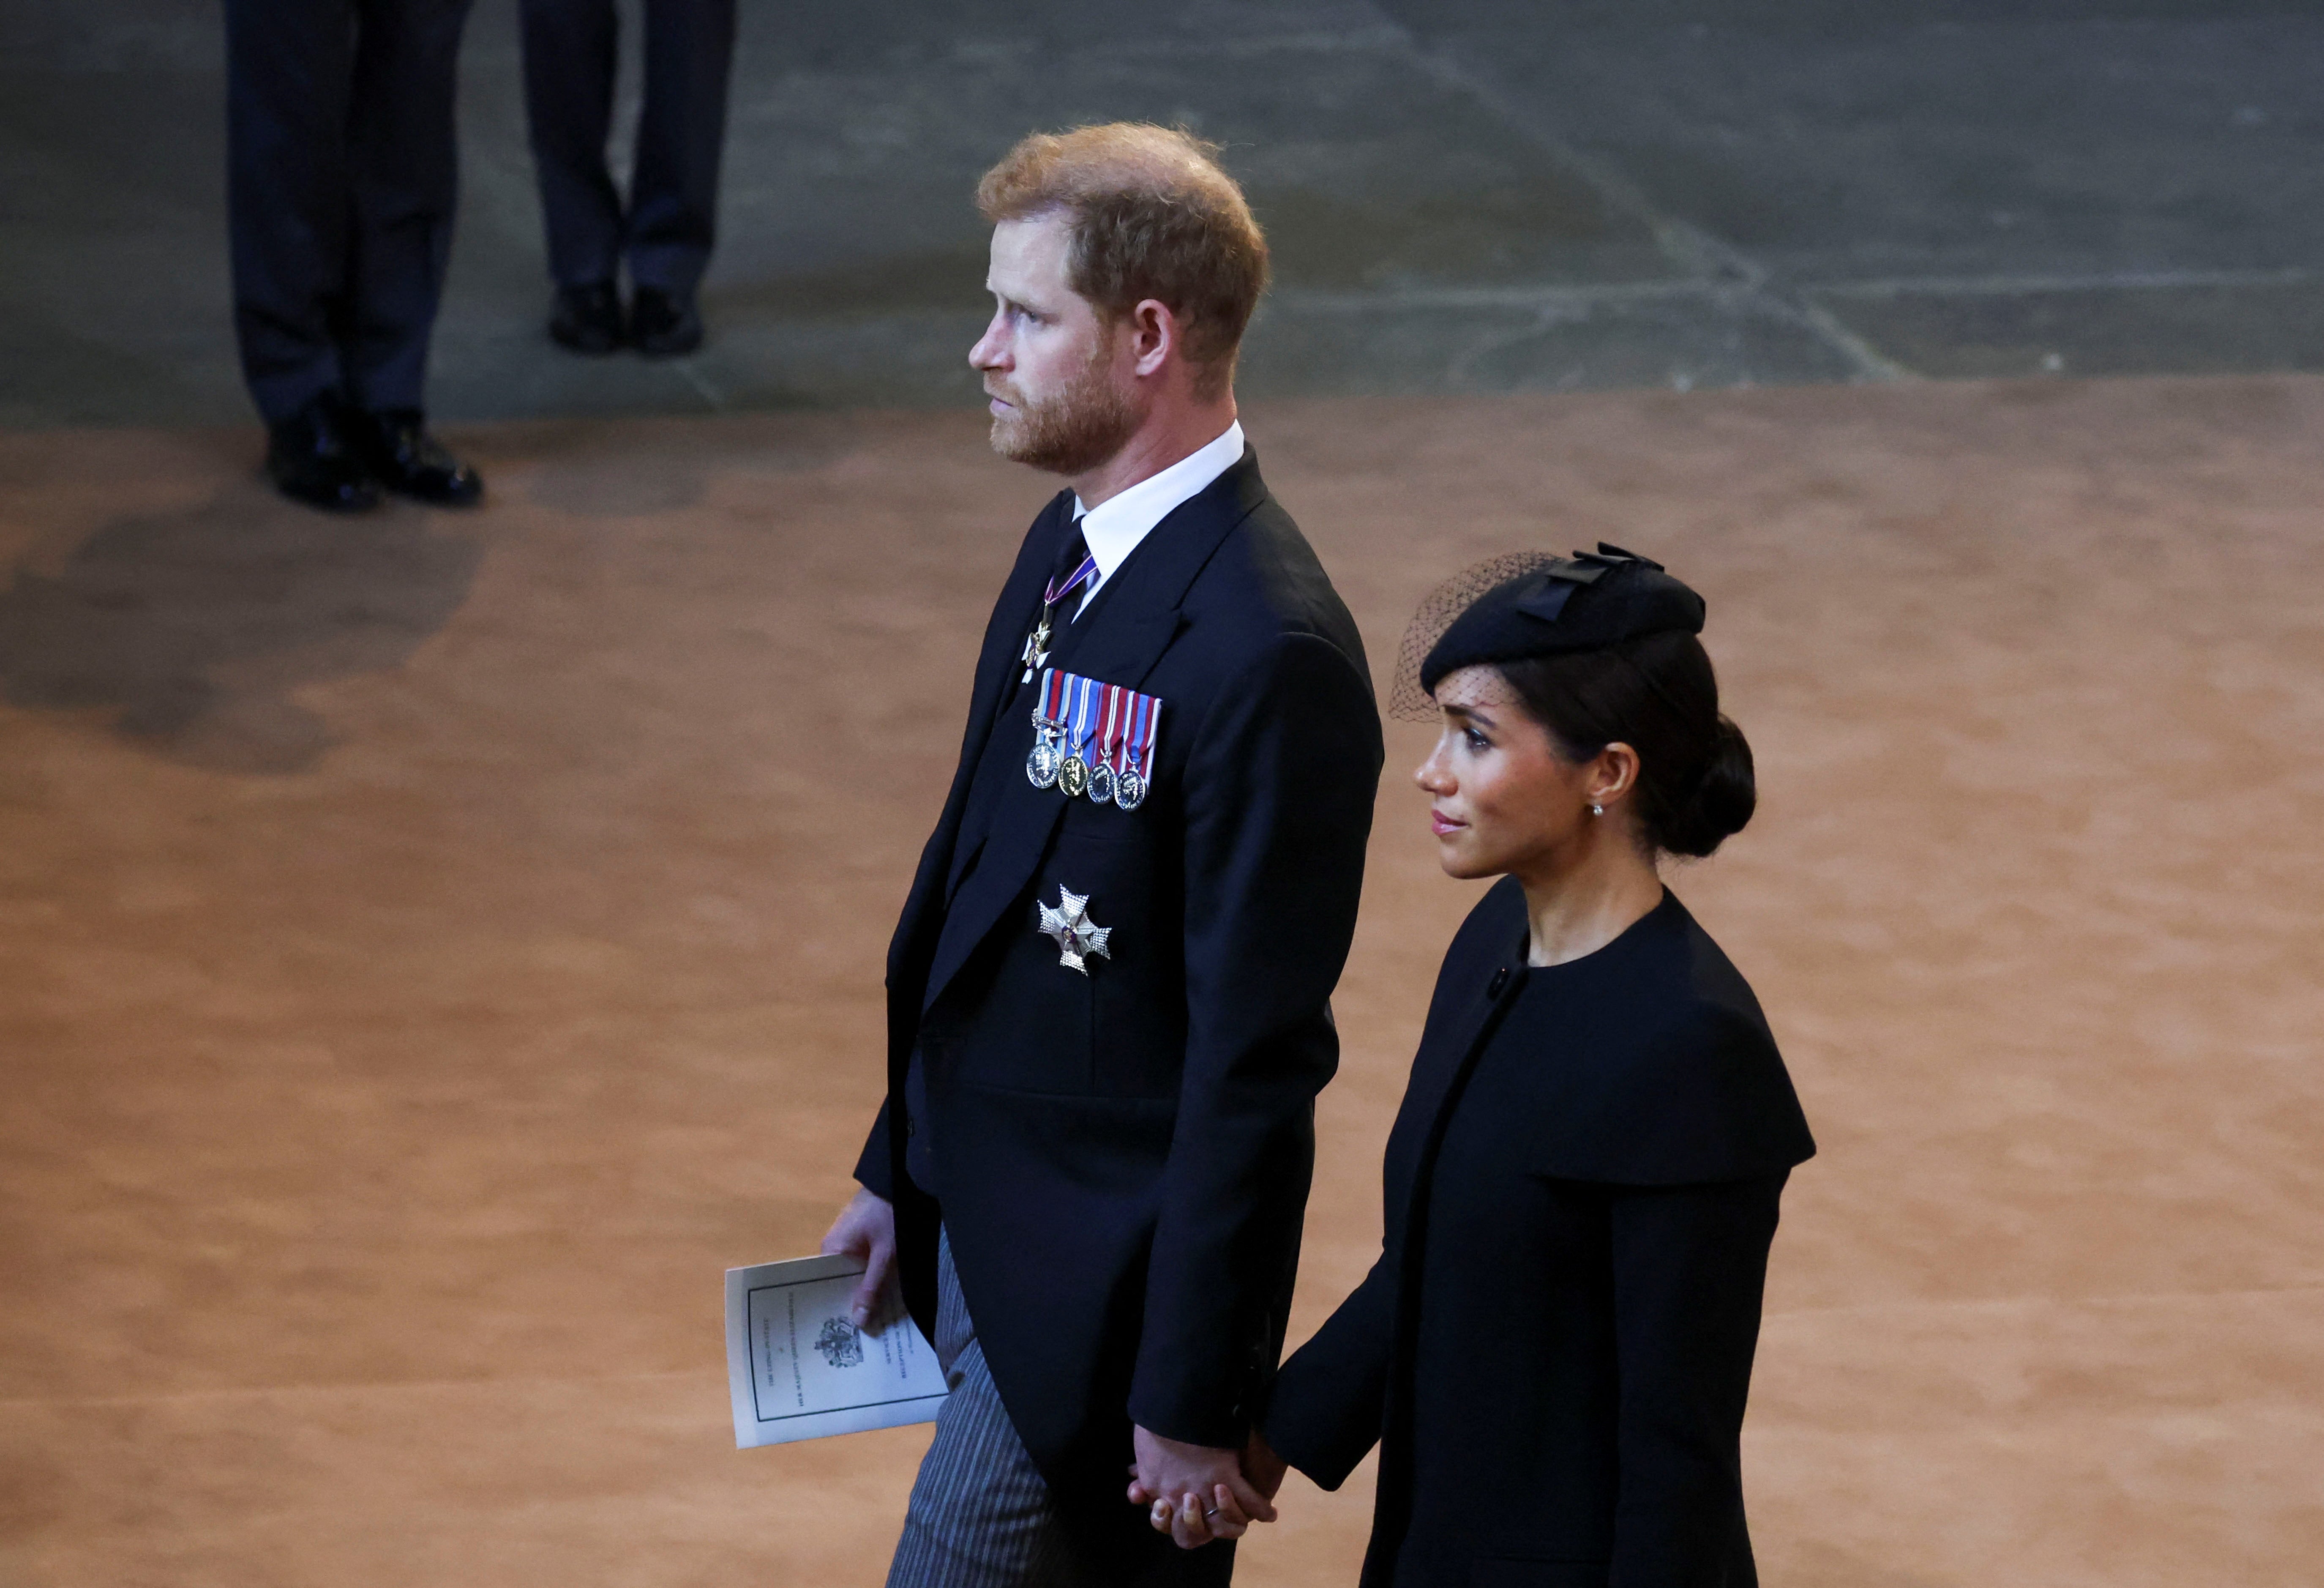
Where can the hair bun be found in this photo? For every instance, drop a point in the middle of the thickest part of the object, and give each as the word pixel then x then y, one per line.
pixel 1723 798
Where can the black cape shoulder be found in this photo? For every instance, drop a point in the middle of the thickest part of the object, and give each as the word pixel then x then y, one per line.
pixel 1650 1060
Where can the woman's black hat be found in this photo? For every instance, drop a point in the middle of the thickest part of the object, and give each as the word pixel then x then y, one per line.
pixel 1532 604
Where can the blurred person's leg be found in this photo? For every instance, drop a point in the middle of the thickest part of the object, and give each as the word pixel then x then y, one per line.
pixel 571 49
pixel 405 170
pixel 404 164
pixel 674 192
pixel 289 67
pixel 290 71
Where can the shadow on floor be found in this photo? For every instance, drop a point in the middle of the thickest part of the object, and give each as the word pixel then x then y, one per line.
pixel 190 630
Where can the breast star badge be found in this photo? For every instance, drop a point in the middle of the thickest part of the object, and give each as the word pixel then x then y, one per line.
pixel 1077 937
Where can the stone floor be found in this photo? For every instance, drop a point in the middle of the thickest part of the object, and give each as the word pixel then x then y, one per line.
pixel 1465 196
pixel 433 947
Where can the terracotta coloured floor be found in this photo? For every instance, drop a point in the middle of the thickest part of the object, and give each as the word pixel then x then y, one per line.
pixel 434 948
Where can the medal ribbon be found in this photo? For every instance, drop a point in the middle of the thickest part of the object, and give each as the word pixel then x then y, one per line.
pixel 1145 723
pixel 1110 740
pixel 1085 710
pixel 1058 589
pixel 1051 711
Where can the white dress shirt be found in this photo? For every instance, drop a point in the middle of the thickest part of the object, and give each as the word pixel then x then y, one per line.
pixel 1114 527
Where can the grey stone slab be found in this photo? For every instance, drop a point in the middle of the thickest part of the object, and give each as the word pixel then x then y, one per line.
pixel 111 36
pixel 2108 330
pixel 1998 144
pixel 1824 18
pixel 1683 340
pixel 114 307
pixel 1365 172
pixel 885 34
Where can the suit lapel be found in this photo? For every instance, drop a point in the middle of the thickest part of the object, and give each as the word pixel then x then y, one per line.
pixel 998 665
pixel 1127 637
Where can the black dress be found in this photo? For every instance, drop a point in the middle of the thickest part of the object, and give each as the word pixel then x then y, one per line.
pixel 1555 1348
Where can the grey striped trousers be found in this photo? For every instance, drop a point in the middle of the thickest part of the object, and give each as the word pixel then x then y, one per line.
pixel 981 1516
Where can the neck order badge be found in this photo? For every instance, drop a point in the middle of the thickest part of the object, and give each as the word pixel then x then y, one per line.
pixel 1037 643
pixel 1092 739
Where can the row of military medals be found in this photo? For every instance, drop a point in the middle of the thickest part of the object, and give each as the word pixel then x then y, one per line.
pixel 1068 711
pixel 1092 740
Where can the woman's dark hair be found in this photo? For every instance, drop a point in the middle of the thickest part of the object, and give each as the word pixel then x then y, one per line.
pixel 1658 695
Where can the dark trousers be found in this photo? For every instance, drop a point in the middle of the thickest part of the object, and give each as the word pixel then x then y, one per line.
pixel 667 229
pixel 341 180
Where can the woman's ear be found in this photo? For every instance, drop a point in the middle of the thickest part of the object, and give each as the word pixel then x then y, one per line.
pixel 1614 773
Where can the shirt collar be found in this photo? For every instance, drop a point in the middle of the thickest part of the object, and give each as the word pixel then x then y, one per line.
pixel 1114 527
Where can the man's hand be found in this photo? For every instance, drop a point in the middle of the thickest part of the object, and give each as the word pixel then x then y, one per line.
pixel 866 1228
pixel 1196 1492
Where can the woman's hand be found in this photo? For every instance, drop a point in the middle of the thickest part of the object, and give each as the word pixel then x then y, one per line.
pixel 1261 1467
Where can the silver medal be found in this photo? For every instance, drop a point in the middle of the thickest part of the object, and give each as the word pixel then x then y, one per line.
pixel 1101 784
pixel 1041 764
pixel 1128 790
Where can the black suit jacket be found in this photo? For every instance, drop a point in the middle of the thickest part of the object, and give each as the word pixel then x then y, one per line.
pixel 1123 1157
pixel 1555 1348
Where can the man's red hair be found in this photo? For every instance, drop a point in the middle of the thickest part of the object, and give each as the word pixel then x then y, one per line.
pixel 1152 215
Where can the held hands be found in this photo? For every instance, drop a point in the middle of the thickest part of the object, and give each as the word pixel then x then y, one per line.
pixel 866 1228
pixel 1200 1492
pixel 1196 1493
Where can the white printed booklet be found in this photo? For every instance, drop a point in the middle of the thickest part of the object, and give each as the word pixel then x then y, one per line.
pixel 798 1366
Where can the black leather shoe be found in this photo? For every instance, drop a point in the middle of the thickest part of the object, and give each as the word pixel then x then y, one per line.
pixel 587 320
pixel 310 460
pixel 395 447
pixel 664 324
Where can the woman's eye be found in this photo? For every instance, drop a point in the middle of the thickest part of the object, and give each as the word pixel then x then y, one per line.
pixel 1475 739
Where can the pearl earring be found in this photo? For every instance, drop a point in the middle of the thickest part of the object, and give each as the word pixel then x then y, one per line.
pixel 1596 810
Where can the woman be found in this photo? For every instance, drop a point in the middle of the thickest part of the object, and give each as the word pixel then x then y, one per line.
pixel 1554 1347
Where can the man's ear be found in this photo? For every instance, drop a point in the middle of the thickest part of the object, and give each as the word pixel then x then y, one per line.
pixel 1153 336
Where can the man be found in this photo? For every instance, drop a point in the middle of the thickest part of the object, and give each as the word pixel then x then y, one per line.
pixel 666 230
pixel 1108 995
pixel 340 186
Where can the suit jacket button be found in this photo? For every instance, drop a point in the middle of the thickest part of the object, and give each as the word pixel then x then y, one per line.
pixel 1492 989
